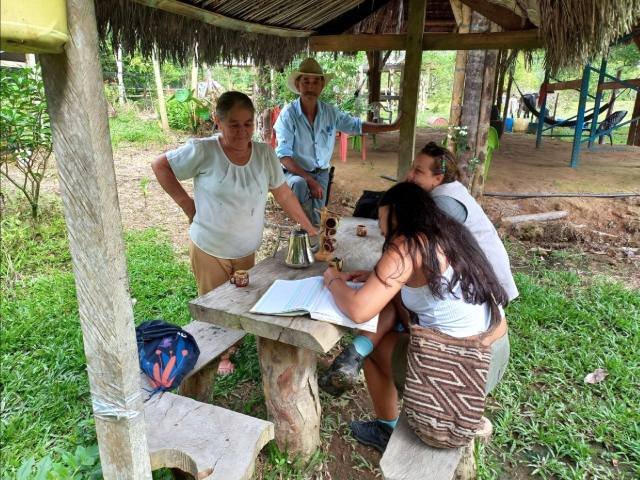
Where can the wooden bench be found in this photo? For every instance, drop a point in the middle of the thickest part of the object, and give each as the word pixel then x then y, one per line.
pixel 213 342
pixel 192 437
pixel 199 440
pixel 409 458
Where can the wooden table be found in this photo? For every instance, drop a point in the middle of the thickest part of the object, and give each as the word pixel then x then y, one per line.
pixel 288 346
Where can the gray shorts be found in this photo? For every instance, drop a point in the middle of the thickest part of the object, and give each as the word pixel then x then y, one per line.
pixel 499 359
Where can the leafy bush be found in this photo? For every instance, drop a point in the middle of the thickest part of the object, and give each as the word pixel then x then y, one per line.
pixel 84 463
pixel 187 112
pixel 25 137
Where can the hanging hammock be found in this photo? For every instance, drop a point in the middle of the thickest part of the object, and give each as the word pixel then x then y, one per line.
pixel 531 105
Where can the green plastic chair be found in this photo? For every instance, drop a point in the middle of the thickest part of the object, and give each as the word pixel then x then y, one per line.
pixel 493 143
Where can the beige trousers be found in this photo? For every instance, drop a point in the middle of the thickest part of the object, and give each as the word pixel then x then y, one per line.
pixel 211 272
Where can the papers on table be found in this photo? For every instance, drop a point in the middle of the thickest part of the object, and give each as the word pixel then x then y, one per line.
pixel 309 295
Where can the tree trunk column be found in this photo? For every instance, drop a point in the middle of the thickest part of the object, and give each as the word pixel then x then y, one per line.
pixel 290 384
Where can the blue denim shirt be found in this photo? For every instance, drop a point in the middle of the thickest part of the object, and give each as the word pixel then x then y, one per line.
pixel 312 149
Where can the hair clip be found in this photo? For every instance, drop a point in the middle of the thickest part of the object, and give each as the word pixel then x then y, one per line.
pixel 444 165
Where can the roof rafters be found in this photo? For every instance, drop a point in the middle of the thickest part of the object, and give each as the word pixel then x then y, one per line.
pixel 206 16
pixel 506 18
pixel 352 17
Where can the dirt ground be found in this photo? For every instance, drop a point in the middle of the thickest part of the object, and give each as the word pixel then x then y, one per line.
pixel 606 231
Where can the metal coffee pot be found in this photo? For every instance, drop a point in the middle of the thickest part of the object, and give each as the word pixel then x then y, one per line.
pixel 300 252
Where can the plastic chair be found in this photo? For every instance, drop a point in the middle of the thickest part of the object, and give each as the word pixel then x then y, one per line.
pixel 379 111
pixel 493 143
pixel 609 122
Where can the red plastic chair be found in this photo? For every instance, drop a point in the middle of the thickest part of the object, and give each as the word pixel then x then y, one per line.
pixel 274 116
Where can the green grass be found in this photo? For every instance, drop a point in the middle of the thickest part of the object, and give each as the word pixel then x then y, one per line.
pixel 45 391
pixel 548 422
pixel 128 130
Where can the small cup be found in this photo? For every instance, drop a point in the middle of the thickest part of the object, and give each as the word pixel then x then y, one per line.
pixel 361 230
pixel 330 244
pixel 331 232
pixel 240 278
pixel 331 223
pixel 336 263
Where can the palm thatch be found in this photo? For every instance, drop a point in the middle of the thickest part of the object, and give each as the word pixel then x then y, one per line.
pixel 574 31
pixel 137 27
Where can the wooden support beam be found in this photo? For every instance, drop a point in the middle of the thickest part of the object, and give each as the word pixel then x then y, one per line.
pixel 614 85
pixel 524 40
pixel 411 85
pixel 568 85
pixel 505 17
pixel 82 145
pixel 207 16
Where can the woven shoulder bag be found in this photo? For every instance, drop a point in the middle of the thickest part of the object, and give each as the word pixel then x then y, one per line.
pixel 444 392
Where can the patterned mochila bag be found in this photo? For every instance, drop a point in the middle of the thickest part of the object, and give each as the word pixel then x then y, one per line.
pixel 444 392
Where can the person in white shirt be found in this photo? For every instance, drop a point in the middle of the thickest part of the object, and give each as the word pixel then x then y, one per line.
pixel 232 175
pixel 435 265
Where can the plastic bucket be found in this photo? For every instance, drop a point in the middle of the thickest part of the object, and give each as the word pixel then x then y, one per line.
pixel 509 125
pixel 520 125
pixel 36 26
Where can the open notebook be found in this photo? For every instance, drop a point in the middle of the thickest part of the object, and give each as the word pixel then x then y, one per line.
pixel 309 295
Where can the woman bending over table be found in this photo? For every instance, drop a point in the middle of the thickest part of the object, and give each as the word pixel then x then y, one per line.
pixel 231 177
pixel 433 265
pixel 434 169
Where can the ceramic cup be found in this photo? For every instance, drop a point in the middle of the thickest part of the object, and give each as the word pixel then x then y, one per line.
pixel 331 232
pixel 240 278
pixel 336 263
pixel 331 223
pixel 330 244
pixel 361 230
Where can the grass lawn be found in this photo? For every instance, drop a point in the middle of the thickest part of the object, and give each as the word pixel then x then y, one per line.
pixel 548 422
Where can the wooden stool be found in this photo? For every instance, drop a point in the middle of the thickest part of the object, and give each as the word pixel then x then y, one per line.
pixel 409 458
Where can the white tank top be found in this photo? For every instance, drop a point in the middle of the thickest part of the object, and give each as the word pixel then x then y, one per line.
pixel 484 232
pixel 452 314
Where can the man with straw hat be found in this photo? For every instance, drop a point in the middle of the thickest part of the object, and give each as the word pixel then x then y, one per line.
pixel 306 133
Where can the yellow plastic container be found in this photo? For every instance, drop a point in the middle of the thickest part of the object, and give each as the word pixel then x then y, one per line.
pixel 520 125
pixel 33 26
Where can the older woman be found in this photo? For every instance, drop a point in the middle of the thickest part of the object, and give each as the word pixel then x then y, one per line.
pixel 231 177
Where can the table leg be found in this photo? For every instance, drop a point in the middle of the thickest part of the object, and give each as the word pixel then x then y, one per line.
pixel 290 385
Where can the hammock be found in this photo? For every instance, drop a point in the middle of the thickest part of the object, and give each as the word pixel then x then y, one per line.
pixel 530 104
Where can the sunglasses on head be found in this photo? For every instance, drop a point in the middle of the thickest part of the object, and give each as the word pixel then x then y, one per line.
pixel 433 149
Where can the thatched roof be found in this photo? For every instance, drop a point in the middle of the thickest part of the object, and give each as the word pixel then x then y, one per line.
pixel 573 31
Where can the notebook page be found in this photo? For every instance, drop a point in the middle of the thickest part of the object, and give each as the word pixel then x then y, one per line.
pixel 289 297
pixel 325 309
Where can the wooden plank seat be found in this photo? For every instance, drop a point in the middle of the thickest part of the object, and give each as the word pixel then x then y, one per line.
pixel 202 441
pixel 213 342
pixel 409 458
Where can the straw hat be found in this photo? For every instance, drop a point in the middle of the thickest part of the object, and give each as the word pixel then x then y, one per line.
pixel 307 67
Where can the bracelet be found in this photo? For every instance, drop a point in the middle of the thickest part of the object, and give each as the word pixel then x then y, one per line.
pixel 331 281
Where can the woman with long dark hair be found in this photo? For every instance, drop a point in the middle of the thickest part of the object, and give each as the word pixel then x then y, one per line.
pixel 434 266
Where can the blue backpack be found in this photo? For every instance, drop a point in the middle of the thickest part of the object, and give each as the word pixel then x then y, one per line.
pixel 166 353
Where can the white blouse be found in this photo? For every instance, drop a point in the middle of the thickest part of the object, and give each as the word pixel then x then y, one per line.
pixel 230 199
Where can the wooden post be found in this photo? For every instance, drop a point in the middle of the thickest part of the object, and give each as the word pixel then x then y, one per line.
pixel 375 76
pixel 458 81
pixel 82 145
pixel 502 74
pixel 634 128
pixel 264 91
pixel 411 74
pixel 162 106
pixel 486 102
pixel 474 79
pixel 194 71
pixel 120 79
pixel 290 385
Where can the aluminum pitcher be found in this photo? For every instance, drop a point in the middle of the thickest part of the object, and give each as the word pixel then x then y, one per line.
pixel 300 253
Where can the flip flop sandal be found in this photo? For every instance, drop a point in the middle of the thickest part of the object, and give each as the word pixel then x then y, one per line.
pixel 225 367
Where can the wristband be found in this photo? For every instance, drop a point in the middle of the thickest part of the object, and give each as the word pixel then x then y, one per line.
pixel 331 281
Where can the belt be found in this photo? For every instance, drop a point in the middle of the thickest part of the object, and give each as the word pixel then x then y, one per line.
pixel 315 171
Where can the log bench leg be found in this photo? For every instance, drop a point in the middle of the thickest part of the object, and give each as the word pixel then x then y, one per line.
pixel 199 386
pixel 467 468
pixel 290 385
